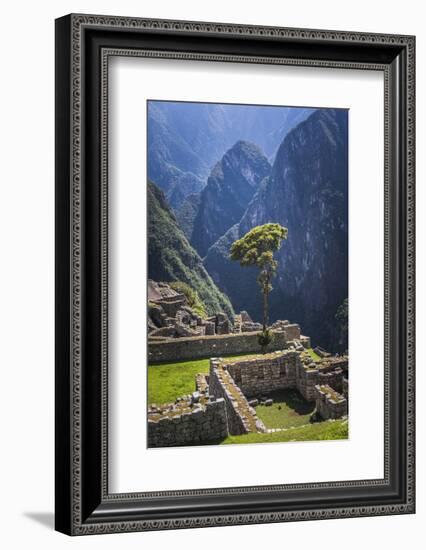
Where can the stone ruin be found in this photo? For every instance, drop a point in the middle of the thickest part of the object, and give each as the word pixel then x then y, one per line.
pixel 285 335
pixel 224 402
pixel 244 323
pixel 193 419
pixel 170 316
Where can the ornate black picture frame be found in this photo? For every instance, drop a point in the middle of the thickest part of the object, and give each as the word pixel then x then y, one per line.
pixel 83 45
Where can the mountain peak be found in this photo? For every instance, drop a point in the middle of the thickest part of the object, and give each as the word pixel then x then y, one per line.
pixel 230 187
pixel 246 147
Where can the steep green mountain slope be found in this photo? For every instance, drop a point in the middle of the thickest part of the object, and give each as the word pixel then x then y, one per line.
pixel 171 257
pixel 187 213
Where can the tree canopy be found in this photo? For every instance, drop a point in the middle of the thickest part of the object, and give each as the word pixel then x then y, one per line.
pixel 256 248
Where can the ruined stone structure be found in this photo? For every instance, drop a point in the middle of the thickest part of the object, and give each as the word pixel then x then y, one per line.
pixel 175 331
pixel 174 349
pixel 185 348
pixel 169 316
pixel 238 385
pixel 329 403
pixel 240 415
pixel 187 423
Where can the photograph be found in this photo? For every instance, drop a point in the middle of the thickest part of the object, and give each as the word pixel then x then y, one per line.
pixel 247 262
pixel 234 229
pixel 210 217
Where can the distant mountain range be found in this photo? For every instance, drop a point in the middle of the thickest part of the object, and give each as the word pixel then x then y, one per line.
pixel 186 140
pixel 305 189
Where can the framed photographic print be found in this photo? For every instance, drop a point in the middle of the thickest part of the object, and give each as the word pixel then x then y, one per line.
pixel 234 274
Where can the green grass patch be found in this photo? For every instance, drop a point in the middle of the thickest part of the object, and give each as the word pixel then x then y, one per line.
pixel 170 380
pixel 166 382
pixel 320 431
pixel 314 355
pixel 289 409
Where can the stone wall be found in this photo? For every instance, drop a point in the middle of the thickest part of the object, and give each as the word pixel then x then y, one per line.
pixel 176 349
pixel 203 423
pixel 307 378
pixel 284 370
pixel 275 371
pixel 292 332
pixel 241 417
pixel 332 378
pixel 330 404
pixel 264 374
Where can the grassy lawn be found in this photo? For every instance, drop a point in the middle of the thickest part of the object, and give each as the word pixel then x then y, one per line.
pixel 327 430
pixel 289 409
pixel 168 381
pixel 314 355
pixel 171 380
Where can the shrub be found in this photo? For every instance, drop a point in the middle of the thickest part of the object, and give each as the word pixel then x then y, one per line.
pixel 191 296
pixel 264 339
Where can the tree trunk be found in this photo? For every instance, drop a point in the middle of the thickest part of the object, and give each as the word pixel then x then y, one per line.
pixel 265 309
pixel 265 278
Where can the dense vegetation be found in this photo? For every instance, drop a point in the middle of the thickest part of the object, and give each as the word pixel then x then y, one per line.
pixel 171 258
pixel 192 297
pixel 187 212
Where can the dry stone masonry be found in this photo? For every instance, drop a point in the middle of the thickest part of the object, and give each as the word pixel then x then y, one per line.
pixel 174 349
pixel 224 400
pixel 241 416
pixel 190 421
pixel 169 316
pixel 329 403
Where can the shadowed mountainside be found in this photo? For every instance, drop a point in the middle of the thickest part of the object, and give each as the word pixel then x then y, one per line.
pixel 230 187
pixel 307 192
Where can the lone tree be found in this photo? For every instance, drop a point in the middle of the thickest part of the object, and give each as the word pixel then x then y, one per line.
pixel 257 249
